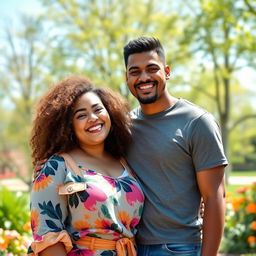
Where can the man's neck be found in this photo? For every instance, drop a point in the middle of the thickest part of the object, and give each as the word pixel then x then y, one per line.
pixel 161 104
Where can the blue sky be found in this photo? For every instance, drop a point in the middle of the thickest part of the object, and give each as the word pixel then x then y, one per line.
pixel 9 9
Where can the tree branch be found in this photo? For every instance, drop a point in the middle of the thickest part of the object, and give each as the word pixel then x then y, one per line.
pixel 250 7
pixel 240 120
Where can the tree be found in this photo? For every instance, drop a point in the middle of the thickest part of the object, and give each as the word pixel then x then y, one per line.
pixel 251 5
pixel 22 78
pixel 223 46
pixel 91 35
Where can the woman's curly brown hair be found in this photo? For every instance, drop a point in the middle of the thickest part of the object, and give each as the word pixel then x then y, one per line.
pixel 52 131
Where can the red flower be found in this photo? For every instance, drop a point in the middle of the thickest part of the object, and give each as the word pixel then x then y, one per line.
pixel 242 190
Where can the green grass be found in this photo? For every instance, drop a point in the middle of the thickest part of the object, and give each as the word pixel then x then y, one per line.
pixel 233 188
pixel 243 173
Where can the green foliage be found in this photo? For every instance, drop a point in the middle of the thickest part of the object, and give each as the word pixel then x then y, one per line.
pixel 240 229
pixel 14 210
pixel 96 31
pixel 249 173
pixel 221 46
pixel 242 146
pixel 21 79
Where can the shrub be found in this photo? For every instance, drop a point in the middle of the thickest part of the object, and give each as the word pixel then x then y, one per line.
pixel 14 210
pixel 240 229
pixel 15 231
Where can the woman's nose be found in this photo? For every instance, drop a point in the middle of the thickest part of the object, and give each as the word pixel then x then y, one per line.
pixel 92 117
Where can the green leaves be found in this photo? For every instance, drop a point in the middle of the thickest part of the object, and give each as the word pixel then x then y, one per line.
pixel 51 211
pixel 113 200
pixel 54 213
pixel 52 226
pixel 105 211
pixel 14 210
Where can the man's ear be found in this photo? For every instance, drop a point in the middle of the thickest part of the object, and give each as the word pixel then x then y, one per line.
pixel 167 72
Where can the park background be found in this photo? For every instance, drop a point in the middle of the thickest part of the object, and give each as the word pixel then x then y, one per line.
pixel 210 46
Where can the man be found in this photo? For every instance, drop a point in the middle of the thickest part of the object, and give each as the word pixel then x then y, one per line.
pixel 178 157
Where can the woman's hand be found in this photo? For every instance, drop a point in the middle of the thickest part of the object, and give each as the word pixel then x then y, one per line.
pixel 201 210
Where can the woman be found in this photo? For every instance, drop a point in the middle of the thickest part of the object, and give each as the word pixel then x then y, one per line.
pixel 85 201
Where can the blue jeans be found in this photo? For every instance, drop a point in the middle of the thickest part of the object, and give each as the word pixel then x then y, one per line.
pixel 169 249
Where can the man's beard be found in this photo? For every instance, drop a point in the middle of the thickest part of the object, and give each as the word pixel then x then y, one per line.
pixel 148 100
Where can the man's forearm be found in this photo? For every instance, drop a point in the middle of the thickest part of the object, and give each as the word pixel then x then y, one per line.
pixel 213 225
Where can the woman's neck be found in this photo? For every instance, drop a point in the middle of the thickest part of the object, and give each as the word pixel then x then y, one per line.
pixel 94 152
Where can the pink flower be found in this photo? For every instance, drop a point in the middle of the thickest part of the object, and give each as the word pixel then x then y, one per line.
pixel 95 195
pixel 37 237
pixel 134 195
pixel 11 234
pixel 134 222
pixel 110 180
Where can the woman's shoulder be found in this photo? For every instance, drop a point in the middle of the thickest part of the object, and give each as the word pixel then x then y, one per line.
pixel 51 175
pixel 55 165
pixel 56 157
pixel 55 161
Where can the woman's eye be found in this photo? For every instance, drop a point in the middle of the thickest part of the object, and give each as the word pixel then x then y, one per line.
pixel 97 110
pixel 81 115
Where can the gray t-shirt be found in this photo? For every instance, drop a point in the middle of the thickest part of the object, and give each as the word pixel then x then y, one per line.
pixel 168 149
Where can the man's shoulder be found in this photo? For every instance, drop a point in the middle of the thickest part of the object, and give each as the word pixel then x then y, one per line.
pixel 192 106
pixel 198 116
pixel 182 108
pixel 191 109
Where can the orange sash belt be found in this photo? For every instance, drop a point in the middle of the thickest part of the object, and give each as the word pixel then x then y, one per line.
pixel 121 246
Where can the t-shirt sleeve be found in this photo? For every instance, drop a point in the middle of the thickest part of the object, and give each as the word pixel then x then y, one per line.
pixel 49 209
pixel 206 144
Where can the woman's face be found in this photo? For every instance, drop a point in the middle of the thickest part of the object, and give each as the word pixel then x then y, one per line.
pixel 91 121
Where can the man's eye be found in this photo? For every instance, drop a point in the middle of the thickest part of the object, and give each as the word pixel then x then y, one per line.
pixel 153 70
pixel 134 73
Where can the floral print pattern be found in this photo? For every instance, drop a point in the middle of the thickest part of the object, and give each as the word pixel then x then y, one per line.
pixel 92 205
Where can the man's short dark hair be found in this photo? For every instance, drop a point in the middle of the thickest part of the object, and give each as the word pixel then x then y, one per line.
pixel 143 44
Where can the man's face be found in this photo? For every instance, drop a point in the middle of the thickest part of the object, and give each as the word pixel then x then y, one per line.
pixel 146 76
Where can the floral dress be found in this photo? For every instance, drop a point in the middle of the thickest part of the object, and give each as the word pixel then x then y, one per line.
pixel 69 202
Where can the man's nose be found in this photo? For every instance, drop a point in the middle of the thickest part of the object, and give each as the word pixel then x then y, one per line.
pixel 144 76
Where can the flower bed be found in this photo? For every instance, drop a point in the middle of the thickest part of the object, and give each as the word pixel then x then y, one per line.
pixel 13 243
pixel 240 230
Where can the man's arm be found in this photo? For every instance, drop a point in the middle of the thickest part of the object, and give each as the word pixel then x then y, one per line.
pixel 211 183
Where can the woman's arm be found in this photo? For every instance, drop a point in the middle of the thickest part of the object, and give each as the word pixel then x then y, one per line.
pixel 49 211
pixel 56 249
